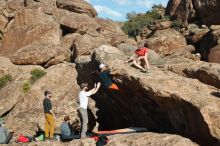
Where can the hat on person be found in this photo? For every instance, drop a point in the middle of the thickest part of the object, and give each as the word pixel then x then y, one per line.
pixel 101 66
pixel 83 85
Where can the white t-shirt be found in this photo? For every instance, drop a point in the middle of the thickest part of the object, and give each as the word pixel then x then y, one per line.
pixel 83 99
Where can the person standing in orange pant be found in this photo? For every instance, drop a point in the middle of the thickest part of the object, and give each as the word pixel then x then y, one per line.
pixel 49 116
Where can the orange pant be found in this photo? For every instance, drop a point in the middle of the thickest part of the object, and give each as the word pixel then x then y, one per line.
pixel 114 87
pixel 49 125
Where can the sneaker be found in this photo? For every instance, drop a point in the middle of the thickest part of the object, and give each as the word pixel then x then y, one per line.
pixel 143 71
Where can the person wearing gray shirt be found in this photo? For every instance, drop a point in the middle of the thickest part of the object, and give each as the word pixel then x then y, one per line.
pixel 66 133
pixel 5 135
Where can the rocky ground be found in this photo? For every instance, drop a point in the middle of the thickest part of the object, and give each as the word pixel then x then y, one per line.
pixel 65 41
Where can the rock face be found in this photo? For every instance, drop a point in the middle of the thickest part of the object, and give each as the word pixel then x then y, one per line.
pixel 186 10
pixel 32 31
pixel 111 31
pixel 10 94
pixel 181 9
pixel 82 23
pixel 214 55
pixel 166 42
pixel 85 44
pixel 160 25
pixel 204 72
pixel 78 6
pixel 209 41
pixel 28 110
pixel 179 96
pixel 153 57
pixel 168 103
pixel 208 11
pixel 149 139
pixel 32 39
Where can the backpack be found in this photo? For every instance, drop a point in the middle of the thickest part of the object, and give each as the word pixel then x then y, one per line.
pixel 102 140
pixel 22 139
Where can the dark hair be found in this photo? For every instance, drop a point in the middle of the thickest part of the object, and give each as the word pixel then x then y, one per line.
pixel 146 45
pixel 83 85
pixel 47 92
pixel 66 118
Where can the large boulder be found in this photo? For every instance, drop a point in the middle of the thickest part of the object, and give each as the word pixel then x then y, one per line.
pixel 160 24
pixel 85 44
pixel 149 139
pixel 181 9
pixel 159 101
pixel 31 27
pixel 78 6
pixel 166 42
pixel 46 5
pixel 207 73
pixel 34 39
pixel 195 35
pixel 3 23
pixel 40 54
pixel 79 23
pixel 209 41
pixel 186 52
pixel 28 111
pixel 208 11
pixel 11 93
pixel 111 31
pixel 15 5
pixel 187 10
pixel 214 55
pixel 153 57
pixel 128 49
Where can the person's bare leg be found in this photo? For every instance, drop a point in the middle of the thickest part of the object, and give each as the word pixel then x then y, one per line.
pixel 135 62
pixel 147 67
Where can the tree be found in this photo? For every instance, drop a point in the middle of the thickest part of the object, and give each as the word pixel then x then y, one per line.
pixel 131 15
pixel 137 21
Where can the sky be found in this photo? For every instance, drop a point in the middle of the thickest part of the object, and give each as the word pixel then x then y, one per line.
pixel 117 9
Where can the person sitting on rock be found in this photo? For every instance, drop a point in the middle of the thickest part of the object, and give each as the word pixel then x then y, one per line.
pixel 66 133
pixel 141 54
pixel 83 105
pixel 5 135
pixel 104 75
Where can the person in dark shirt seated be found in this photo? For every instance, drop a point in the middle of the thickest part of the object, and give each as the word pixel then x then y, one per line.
pixel 105 78
pixel 66 133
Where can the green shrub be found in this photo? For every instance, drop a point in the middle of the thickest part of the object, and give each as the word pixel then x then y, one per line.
pixel 137 21
pixel 26 87
pixel 4 80
pixel 176 24
pixel 36 74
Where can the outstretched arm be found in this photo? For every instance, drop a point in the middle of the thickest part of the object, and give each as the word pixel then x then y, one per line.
pixel 130 59
pixel 95 89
